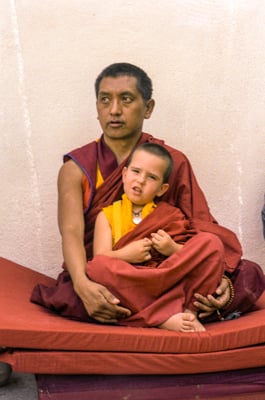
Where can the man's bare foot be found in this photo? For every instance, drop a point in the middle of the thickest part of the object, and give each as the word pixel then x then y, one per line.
pixel 183 322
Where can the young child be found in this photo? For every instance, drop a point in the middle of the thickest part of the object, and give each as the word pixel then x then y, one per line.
pixel 145 179
pixel 126 232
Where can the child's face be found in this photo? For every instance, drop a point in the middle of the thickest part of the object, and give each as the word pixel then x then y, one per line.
pixel 143 178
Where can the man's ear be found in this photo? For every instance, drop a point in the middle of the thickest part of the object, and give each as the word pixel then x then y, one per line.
pixel 163 189
pixel 150 104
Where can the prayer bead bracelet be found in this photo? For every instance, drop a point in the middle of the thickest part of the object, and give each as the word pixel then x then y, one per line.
pixel 232 296
pixel 232 291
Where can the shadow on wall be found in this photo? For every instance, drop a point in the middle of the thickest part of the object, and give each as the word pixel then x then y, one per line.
pixel 263 218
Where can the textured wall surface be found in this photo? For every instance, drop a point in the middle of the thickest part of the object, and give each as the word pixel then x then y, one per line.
pixel 206 59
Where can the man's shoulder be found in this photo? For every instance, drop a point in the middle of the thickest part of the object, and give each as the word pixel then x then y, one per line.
pixel 176 153
pixel 86 159
pixel 83 149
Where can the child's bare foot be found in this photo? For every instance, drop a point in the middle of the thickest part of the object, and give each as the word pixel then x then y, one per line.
pixel 183 322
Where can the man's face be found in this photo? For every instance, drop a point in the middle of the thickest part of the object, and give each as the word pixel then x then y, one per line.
pixel 121 108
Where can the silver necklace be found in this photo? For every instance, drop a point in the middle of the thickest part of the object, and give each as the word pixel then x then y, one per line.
pixel 137 217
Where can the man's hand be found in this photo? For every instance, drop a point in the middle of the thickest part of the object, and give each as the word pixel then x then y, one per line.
pixel 209 304
pixel 100 304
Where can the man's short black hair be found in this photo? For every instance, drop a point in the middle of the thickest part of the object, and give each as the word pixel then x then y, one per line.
pixel 144 83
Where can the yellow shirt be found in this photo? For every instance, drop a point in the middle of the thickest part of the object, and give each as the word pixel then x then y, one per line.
pixel 119 216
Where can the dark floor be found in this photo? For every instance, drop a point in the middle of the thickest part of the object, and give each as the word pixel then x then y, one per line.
pixel 20 387
pixel 24 387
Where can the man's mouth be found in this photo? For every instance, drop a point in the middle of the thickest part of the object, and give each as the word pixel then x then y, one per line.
pixel 115 124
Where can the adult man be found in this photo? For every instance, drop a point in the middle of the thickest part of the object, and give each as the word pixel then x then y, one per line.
pixel 91 179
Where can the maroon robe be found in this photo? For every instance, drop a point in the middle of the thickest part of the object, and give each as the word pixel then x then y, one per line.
pixel 163 286
pixel 184 193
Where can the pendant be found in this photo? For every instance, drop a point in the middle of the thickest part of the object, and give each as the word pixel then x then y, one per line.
pixel 137 219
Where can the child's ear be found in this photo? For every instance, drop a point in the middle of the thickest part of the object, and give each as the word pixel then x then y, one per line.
pixel 163 189
pixel 124 172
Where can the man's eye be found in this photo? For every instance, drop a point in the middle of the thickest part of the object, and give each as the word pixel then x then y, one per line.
pixel 127 99
pixel 104 100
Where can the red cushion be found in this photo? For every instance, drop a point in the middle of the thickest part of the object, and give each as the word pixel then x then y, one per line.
pixel 28 326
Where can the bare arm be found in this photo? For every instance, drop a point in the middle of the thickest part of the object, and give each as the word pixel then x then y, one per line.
pixel 98 301
pixel 135 252
pixel 71 220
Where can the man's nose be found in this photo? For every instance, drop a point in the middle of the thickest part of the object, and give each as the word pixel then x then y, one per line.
pixel 115 108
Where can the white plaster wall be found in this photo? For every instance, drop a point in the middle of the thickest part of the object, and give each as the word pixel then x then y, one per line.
pixel 206 59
